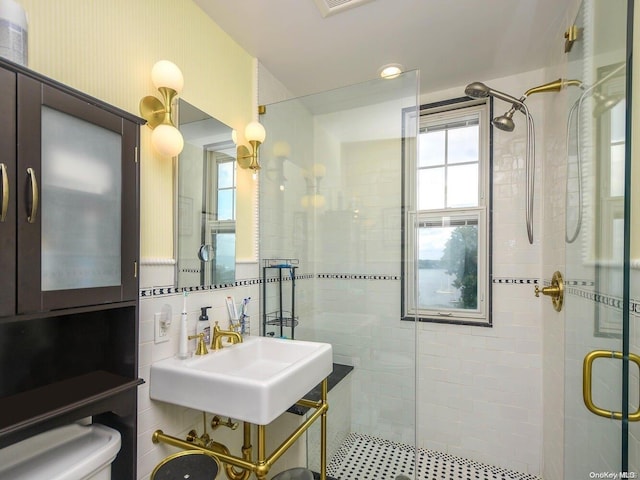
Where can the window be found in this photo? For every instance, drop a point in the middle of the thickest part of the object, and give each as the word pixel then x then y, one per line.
pixel 446 191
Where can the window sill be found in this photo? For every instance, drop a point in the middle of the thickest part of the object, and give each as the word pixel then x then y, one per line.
pixel 447 321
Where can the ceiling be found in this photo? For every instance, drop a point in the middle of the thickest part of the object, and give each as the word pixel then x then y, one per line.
pixel 451 42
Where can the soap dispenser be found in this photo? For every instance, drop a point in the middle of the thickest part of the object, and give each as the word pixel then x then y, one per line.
pixel 203 325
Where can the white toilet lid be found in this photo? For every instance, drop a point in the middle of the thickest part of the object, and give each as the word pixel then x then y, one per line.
pixel 71 452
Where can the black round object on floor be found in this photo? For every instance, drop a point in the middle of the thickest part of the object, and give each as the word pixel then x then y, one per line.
pixel 294 474
pixel 187 465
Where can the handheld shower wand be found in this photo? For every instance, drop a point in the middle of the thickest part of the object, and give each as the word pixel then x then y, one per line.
pixel 505 123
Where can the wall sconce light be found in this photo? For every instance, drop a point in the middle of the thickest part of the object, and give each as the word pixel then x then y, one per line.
pixel 274 165
pixel 314 198
pixel 166 138
pixel 255 134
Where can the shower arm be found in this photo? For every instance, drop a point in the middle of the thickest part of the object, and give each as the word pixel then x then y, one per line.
pixel 554 86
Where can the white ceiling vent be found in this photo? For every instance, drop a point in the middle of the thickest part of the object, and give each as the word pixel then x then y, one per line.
pixel 331 7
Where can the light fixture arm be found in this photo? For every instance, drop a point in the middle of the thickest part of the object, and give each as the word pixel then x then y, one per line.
pixel 248 158
pixel 168 95
pixel 157 112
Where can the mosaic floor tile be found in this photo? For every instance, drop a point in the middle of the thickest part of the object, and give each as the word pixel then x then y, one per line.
pixel 362 457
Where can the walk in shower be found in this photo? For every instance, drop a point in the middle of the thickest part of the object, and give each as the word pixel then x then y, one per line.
pixel 428 400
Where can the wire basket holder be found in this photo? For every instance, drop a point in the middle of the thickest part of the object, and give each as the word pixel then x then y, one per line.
pixel 279 320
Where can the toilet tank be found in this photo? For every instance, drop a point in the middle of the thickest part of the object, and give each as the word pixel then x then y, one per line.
pixel 72 452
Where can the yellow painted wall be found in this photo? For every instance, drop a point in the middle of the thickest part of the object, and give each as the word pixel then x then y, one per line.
pixel 106 48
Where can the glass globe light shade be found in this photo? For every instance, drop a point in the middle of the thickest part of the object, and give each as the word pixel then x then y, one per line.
pixel 282 149
pixel 166 74
pixel 167 140
pixel 318 201
pixel 319 170
pixel 254 131
pixel 234 136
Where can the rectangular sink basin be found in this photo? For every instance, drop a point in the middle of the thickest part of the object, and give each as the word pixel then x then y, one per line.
pixel 254 381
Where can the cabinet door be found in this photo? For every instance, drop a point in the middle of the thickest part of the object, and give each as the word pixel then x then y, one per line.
pixel 77 225
pixel 7 192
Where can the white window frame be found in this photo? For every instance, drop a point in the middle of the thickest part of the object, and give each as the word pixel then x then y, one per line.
pixel 448 112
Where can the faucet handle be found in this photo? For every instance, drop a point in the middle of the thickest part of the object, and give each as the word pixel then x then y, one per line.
pixel 202 347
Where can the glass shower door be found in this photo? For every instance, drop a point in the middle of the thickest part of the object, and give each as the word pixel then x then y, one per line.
pixel 331 204
pixel 600 394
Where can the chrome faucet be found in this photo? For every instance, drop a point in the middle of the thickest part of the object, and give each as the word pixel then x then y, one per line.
pixel 219 334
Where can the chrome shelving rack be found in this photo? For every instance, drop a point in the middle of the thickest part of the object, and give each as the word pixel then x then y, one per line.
pixel 280 321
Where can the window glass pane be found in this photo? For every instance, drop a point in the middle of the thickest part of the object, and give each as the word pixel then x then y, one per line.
pixel 617 243
pixel 448 264
pixel 618 122
pixel 431 188
pixel 431 149
pixel 463 144
pixel 225 204
pixel 225 257
pixel 462 186
pixel 617 171
pixel 225 175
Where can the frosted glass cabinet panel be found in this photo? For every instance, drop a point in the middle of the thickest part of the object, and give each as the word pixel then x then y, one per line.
pixel 81 203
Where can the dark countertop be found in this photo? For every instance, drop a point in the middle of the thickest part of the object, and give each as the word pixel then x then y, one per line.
pixel 339 372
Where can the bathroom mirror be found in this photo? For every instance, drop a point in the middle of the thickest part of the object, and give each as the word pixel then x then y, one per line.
pixel 205 227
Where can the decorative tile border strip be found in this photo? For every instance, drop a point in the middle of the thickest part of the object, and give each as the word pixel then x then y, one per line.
pixel 162 291
pixel 515 281
pixel 287 278
pixel 356 276
pixel 612 301
pixel 580 283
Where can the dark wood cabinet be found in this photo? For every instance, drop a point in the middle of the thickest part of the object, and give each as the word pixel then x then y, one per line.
pixel 7 193
pixel 69 250
pixel 77 229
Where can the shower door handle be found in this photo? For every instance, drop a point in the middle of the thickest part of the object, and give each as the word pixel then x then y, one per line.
pixel 587 371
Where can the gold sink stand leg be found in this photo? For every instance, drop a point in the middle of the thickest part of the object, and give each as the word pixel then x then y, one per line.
pixel 323 433
pixel 263 465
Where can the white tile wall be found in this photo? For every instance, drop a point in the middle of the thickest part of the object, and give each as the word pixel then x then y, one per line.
pixel 480 389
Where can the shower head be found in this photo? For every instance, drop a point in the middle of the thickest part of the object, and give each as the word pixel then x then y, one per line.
pixel 480 90
pixel 605 103
pixel 477 90
pixel 505 122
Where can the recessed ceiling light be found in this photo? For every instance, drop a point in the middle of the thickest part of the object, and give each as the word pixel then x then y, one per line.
pixel 391 70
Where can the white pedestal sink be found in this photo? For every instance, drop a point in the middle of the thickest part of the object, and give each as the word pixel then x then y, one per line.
pixel 254 381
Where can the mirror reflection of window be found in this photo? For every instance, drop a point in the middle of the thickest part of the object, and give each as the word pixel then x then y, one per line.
pixel 219 218
pixel 206 201
pixel 611 124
